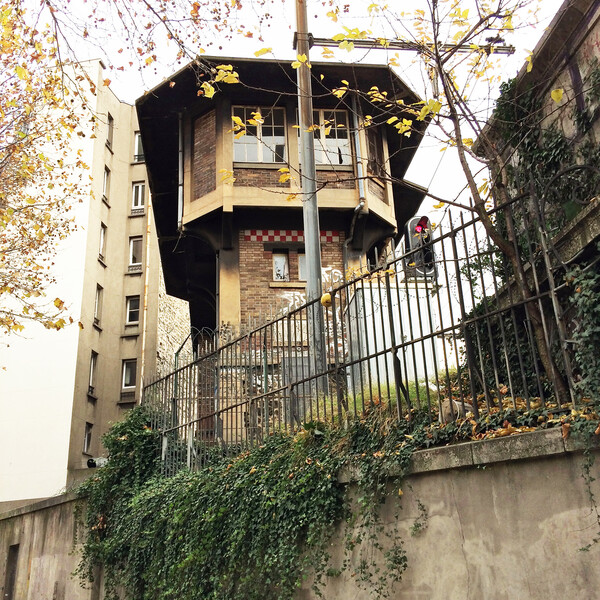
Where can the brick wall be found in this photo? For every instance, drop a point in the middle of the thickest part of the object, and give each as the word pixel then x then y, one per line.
pixel 205 159
pixel 259 300
pixel 377 190
pixel 339 180
pixel 245 177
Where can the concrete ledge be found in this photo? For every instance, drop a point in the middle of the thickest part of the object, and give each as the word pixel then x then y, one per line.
pixel 41 505
pixel 446 457
pixel 518 446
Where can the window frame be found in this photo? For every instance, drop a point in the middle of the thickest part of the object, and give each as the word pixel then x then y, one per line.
pixel 106 184
pixel 138 148
pixel 87 437
pixel 125 370
pixel 129 310
pixel 322 155
pixel 92 372
pixel 375 156
pixel 102 241
pixel 261 145
pixel 136 205
pixel 302 265
pixel 132 240
pixel 110 130
pixel 98 303
pixel 286 272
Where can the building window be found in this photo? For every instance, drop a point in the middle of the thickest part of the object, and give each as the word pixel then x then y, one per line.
pixel 138 151
pixel 98 304
pixel 135 253
pixel 375 164
pixel 87 438
pixel 133 310
pixel 301 265
pixel 332 137
pixel 281 267
pixel 102 244
pixel 138 200
pixel 129 373
pixel 93 366
pixel 110 131
pixel 106 184
pixel 264 140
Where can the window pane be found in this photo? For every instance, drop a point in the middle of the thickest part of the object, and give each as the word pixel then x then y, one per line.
pixel 138 151
pixel 98 303
pixel 135 256
pixel 263 141
pixel 106 182
pixel 139 193
pixel 87 438
pixel 129 368
pixel 133 309
pixel 102 245
pixel 301 266
pixel 280 267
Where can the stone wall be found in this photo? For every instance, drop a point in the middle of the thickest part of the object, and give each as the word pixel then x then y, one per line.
pixel 173 327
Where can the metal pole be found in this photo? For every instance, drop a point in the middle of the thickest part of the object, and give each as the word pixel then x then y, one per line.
pixel 310 210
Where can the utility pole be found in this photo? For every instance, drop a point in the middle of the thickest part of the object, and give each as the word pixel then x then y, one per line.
pixel 310 209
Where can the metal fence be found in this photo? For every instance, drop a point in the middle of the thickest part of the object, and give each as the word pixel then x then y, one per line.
pixel 445 328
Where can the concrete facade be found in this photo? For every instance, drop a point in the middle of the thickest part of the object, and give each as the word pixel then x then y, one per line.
pixel 505 519
pixel 61 391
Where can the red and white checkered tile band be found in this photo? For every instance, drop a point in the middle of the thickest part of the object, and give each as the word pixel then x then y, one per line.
pixel 286 235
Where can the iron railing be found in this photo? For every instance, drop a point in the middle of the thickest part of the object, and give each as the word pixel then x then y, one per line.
pixel 464 338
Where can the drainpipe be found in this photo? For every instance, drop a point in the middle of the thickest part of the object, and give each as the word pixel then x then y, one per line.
pixel 145 299
pixel 180 175
pixel 361 184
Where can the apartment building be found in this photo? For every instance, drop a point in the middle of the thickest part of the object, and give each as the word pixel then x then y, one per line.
pixel 60 391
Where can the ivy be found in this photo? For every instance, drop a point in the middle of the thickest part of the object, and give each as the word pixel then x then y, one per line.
pixel 260 525
pixel 585 300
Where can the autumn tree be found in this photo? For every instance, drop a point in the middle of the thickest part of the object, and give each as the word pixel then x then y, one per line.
pixel 39 175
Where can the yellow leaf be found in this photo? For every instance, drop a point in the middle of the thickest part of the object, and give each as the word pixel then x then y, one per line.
pixel 391 120
pixel 529 60
pixel 21 72
pixel 332 15
pixel 209 90
pixel 557 95
pixel 440 205
pixel 106 82
pixel 59 303
pixel 262 51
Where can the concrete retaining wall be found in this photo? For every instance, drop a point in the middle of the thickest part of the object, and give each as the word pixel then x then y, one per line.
pixel 505 520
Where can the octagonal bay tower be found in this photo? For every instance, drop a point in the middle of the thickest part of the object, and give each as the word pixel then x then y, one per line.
pixel 229 225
